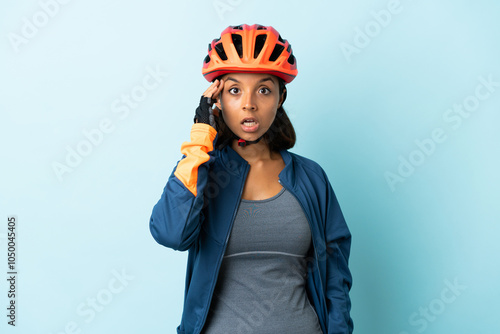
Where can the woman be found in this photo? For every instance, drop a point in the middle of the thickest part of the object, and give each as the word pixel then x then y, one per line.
pixel 268 244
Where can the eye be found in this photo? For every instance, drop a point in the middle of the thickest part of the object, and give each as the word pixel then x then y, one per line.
pixel 233 90
pixel 264 90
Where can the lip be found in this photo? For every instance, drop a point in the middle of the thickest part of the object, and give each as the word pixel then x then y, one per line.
pixel 252 128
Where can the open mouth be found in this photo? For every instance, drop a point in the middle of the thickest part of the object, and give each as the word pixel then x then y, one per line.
pixel 249 124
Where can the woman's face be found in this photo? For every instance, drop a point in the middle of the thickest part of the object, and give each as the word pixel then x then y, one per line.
pixel 249 102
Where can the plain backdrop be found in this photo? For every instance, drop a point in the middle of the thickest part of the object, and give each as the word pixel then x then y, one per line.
pixel 399 101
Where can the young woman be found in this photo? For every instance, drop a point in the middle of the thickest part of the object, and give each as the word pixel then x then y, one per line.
pixel 268 244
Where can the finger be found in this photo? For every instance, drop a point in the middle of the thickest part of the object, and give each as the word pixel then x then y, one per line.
pixel 211 89
pixel 220 88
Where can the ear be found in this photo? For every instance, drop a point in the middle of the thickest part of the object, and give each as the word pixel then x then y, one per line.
pixel 282 98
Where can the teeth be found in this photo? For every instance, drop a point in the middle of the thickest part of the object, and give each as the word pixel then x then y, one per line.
pixel 249 123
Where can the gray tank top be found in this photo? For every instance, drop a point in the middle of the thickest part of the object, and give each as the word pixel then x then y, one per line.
pixel 261 284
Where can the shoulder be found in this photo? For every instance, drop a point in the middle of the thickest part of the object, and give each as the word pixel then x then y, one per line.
pixel 310 167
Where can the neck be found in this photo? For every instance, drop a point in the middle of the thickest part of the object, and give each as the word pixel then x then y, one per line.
pixel 253 152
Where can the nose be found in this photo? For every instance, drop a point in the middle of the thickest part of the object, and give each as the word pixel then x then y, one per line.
pixel 249 102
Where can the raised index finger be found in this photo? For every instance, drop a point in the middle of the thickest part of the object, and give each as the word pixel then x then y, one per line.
pixel 211 89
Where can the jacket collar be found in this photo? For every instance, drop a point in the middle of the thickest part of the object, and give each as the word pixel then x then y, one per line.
pixel 287 175
pixel 232 161
pixel 236 165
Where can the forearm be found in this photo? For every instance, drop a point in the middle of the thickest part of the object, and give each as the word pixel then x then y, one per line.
pixel 176 218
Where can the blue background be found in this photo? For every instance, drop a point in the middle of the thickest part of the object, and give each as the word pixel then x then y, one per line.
pixel 359 113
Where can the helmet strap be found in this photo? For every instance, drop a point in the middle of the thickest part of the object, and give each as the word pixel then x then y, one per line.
pixel 243 142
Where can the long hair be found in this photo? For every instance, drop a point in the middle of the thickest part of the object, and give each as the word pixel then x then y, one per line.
pixel 280 136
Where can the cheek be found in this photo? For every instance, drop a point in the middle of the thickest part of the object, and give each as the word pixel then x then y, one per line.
pixel 230 118
pixel 271 111
pixel 271 118
pixel 229 104
pixel 229 111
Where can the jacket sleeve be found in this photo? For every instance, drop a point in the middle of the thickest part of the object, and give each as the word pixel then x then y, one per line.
pixel 176 218
pixel 339 279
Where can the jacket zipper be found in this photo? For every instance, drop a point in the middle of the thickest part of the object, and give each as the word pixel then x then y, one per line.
pixel 312 229
pixel 212 287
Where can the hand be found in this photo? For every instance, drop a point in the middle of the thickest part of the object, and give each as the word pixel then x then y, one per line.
pixel 204 112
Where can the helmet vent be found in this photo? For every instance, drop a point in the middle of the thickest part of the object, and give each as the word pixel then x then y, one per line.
pixel 252 48
pixel 237 42
pixel 260 40
pixel 220 51
pixel 276 52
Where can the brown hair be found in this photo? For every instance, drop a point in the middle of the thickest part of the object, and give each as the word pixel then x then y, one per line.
pixel 280 136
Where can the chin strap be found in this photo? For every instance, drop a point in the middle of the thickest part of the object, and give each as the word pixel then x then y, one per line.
pixel 243 142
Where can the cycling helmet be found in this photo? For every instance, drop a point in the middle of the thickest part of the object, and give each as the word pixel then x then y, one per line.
pixel 250 48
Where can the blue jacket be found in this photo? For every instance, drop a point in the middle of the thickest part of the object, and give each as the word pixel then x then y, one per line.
pixel 196 212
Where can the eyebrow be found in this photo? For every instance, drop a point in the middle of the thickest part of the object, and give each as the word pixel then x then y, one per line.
pixel 265 79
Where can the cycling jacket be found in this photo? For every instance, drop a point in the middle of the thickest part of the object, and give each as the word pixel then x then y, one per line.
pixel 197 209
